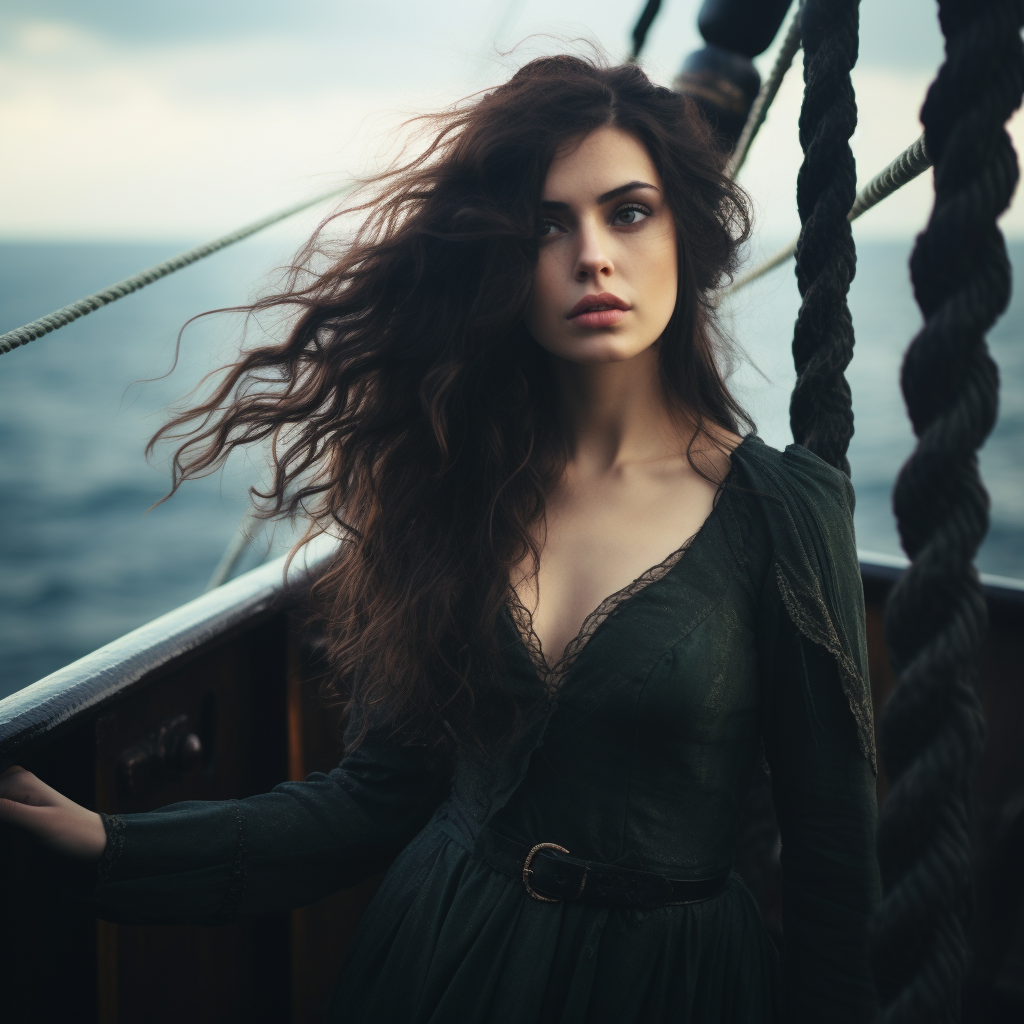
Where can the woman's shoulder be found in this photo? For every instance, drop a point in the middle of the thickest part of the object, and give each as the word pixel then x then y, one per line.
pixel 807 510
pixel 794 478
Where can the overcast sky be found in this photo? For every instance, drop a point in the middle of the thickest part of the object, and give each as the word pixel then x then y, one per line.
pixel 154 121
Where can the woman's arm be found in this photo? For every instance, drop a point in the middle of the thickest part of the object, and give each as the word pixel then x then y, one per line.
pixel 213 861
pixel 824 792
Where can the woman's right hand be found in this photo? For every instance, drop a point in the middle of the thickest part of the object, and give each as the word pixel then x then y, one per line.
pixel 53 819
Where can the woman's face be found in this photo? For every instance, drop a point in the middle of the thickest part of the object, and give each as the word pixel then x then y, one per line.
pixel 605 283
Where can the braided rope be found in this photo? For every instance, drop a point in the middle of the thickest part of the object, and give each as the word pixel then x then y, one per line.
pixel 821 408
pixel 766 96
pixel 75 310
pixel 932 731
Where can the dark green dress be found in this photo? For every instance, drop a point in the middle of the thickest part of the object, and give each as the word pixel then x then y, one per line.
pixel 751 641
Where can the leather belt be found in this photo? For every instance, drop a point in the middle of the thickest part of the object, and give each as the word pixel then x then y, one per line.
pixel 550 874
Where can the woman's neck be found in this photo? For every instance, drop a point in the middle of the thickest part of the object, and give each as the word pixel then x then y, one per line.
pixel 617 413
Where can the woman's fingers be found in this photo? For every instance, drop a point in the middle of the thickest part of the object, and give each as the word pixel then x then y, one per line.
pixel 23 787
pixel 11 777
pixel 15 812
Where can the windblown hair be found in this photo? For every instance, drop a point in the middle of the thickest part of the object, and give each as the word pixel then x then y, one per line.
pixel 410 406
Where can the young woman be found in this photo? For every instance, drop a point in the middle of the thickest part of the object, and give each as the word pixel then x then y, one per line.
pixel 572 611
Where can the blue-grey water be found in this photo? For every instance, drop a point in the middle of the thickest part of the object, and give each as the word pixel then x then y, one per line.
pixel 81 559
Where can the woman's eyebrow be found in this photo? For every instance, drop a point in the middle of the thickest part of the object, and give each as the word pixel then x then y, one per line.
pixel 628 187
pixel 551 204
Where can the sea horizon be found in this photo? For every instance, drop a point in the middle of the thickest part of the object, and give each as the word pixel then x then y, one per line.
pixel 83 560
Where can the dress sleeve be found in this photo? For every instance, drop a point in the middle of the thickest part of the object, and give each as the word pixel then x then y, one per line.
pixel 823 786
pixel 210 862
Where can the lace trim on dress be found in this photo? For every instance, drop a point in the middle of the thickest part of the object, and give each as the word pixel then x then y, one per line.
pixel 114 827
pixel 552 676
pixel 228 910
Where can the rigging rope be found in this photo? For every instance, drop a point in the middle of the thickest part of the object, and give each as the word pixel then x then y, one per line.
pixel 72 312
pixel 643 26
pixel 932 731
pixel 248 528
pixel 911 163
pixel 821 408
pixel 769 90
pixel 914 160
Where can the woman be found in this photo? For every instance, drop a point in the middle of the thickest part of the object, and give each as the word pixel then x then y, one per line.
pixel 573 610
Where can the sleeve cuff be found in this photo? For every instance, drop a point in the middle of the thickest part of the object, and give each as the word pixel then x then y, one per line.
pixel 113 825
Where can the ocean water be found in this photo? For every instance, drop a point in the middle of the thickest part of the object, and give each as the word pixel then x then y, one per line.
pixel 82 560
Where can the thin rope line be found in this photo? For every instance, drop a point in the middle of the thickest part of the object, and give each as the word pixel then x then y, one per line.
pixel 906 167
pixel 248 528
pixel 643 26
pixel 68 314
pixel 766 95
pixel 911 163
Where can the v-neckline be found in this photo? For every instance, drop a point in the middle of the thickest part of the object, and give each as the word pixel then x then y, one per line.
pixel 553 676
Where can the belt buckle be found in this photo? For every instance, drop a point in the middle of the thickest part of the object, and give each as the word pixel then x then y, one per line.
pixel 527 870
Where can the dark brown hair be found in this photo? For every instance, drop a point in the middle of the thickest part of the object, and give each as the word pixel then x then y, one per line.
pixel 410 406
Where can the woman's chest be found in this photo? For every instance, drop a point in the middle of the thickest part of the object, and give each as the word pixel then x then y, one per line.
pixel 601 535
pixel 652 739
pixel 672 670
pixel 651 691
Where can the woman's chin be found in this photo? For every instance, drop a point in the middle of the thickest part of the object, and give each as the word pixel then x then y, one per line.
pixel 597 350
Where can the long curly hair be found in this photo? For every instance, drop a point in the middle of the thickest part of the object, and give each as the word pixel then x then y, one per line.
pixel 410 410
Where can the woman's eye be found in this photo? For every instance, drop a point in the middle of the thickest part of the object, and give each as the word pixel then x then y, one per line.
pixel 548 228
pixel 630 215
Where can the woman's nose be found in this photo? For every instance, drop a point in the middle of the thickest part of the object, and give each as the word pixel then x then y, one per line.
pixel 593 258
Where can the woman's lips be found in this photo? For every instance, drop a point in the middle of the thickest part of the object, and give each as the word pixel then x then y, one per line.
pixel 602 310
pixel 599 317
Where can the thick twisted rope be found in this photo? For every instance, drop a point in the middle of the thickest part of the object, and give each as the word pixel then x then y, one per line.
pixel 821 409
pixel 75 310
pixel 932 731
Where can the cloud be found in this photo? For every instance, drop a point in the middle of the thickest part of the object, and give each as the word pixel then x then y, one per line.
pixel 128 21
pixel 128 129
pixel 187 138
pixel 178 141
